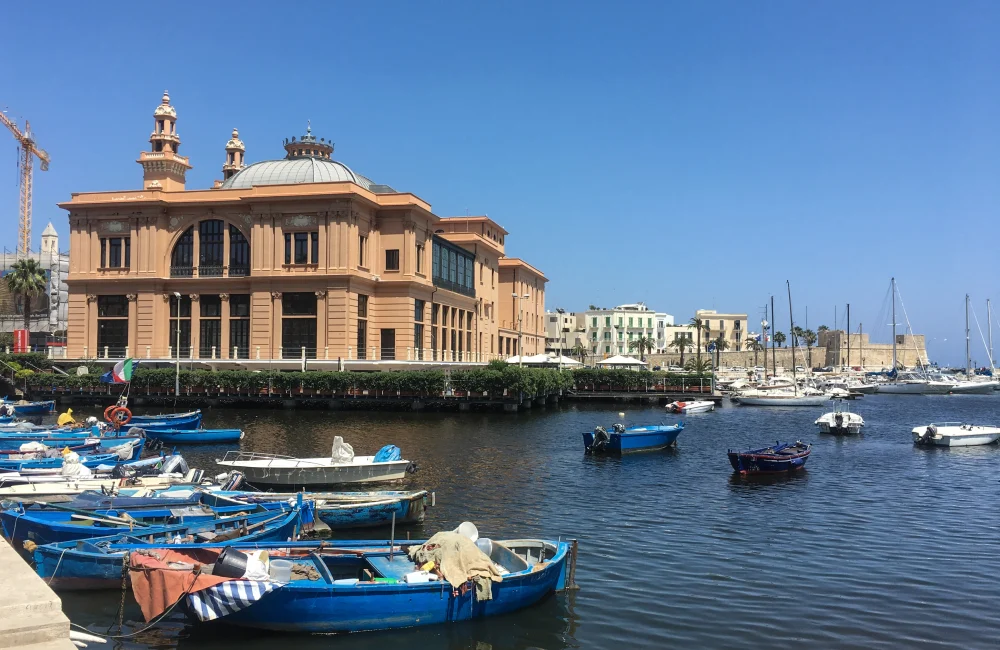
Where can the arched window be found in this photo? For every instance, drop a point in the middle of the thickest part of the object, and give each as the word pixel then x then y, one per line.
pixel 239 253
pixel 211 234
pixel 182 257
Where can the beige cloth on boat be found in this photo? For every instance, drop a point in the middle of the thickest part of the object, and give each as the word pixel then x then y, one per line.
pixel 459 560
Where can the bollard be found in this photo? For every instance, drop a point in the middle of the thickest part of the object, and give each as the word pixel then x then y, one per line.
pixel 258 353
pixel 213 352
pixel 149 352
pixel 236 352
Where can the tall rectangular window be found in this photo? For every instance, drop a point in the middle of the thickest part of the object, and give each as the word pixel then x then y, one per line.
pixel 210 326
pixel 115 252
pixel 392 259
pixel 104 253
pixel 239 254
pixel 607 321
pixel 362 326
pixel 418 310
pixel 211 243
pixel 128 252
pixel 239 325
pixel 302 248
pixel 362 250
pixel 418 340
pixel 298 325
pixel 314 248
pixel 388 344
pixel 420 258
pixel 180 321
pixel 112 325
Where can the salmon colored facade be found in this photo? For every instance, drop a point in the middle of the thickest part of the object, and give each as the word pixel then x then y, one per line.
pixel 284 259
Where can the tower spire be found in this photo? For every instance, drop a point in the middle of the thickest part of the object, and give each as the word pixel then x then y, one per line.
pixel 235 153
pixel 163 168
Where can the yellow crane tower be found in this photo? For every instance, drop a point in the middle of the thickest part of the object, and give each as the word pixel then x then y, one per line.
pixel 26 161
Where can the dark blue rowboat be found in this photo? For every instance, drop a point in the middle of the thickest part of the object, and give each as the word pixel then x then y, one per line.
pixel 79 446
pixel 782 457
pixel 195 436
pixel 623 440
pixel 70 441
pixel 363 589
pixel 91 462
pixel 96 563
pixel 33 408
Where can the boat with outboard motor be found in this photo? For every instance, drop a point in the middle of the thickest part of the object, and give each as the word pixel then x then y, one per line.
pixel 341 467
pixel 840 421
pixel 696 406
pixel 955 434
pixel 622 439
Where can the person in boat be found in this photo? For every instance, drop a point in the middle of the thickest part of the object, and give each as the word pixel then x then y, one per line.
pixel 66 418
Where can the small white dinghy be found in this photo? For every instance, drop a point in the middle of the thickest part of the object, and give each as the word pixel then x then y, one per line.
pixel 955 434
pixel 840 421
pixel 698 406
pixel 342 466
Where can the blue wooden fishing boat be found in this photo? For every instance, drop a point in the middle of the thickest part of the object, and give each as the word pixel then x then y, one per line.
pixel 781 458
pixel 195 436
pixel 103 443
pixel 53 523
pixel 33 408
pixel 96 563
pixel 189 420
pixel 85 446
pixel 90 462
pixel 622 440
pixel 363 589
pixel 341 510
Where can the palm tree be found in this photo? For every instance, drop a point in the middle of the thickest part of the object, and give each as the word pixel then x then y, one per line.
pixel 809 337
pixel 680 344
pixel 698 323
pixel 642 343
pixel 755 346
pixel 26 279
pixel 779 338
pixel 579 351
pixel 721 345
pixel 822 328
pixel 698 366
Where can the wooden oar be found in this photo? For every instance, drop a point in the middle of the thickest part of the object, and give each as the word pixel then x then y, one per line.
pixel 88 514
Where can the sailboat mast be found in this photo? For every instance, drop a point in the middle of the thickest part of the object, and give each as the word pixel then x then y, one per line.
pixel 894 324
pixel 989 326
pixel 861 344
pixel 848 335
pixel 791 324
pixel 774 357
pixel 968 355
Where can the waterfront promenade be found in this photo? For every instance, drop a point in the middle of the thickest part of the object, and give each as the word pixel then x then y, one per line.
pixel 31 616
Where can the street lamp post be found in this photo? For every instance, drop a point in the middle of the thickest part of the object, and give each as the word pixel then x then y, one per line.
pixel 520 328
pixel 177 373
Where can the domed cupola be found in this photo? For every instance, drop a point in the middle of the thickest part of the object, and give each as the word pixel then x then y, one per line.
pixel 308 147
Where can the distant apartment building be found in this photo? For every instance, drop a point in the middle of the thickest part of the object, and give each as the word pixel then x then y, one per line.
pixel 607 332
pixel 564 331
pixel 731 327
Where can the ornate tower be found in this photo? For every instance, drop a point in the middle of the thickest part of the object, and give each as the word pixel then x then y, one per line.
pixel 162 167
pixel 235 152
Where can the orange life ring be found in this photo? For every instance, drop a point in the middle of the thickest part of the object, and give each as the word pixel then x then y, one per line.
pixel 107 412
pixel 120 416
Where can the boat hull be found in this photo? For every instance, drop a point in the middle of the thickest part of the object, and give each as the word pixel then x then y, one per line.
pixel 849 429
pixel 956 436
pixel 762 461
pixel 803 400
pixel 195 436
pixel 972 388
pixel 325 608
pixel 635 439
pixel 34 408
pixel 323 475
pixel 189 420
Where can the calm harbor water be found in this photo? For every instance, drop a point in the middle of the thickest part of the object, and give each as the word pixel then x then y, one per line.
pixel 877 544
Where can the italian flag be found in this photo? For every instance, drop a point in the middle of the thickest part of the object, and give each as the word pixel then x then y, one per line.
pixel 122 372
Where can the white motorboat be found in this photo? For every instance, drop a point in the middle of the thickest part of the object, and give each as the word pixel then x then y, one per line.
pixel 955 434
pixel 698 406
pixel 972 388
pixel 808 397
pixel 840 421
pixel 272 469
pixel 908 383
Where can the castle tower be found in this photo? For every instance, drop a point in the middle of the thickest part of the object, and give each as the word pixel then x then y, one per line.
pixel 162 167
pixel 50 240
pixel 235 153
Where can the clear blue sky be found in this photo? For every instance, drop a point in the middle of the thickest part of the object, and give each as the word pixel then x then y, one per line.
pixel 691 155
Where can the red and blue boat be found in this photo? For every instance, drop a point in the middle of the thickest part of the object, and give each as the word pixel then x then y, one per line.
pixel 781 458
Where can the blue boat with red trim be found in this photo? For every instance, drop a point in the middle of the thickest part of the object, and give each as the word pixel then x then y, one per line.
pixel 781 458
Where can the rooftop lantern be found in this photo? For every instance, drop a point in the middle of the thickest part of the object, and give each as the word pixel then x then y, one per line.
pixel 308 146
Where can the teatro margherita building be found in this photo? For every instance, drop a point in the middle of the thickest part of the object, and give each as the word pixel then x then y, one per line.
pixel 299 256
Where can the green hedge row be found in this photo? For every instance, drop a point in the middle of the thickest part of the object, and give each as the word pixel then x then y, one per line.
pixel 493 380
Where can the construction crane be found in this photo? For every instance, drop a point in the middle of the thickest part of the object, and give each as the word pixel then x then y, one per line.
pixel 26 162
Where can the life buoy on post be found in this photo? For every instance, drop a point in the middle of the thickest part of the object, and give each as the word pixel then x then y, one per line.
pixel 108 411
pixel 120 416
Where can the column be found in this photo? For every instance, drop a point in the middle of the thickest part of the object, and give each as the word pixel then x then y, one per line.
pixel 195 321
pixel 322 328
pixel 227 351
pixel 133 326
